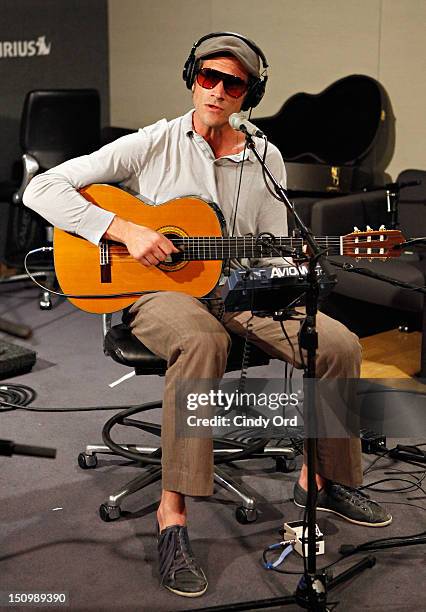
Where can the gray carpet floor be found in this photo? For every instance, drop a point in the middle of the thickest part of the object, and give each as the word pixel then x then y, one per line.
pixel 52 539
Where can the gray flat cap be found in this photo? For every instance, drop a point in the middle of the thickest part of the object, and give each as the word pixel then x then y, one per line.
pixel 230 44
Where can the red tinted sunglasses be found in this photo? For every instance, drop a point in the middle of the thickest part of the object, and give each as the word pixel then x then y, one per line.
pixel 209 78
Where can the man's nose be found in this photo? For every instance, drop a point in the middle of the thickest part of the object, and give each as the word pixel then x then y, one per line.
pixel 219 90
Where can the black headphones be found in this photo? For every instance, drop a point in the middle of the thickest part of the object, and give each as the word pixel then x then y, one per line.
pixel 257 86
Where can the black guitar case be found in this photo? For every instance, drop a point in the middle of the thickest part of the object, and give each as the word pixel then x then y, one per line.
pixel 335 142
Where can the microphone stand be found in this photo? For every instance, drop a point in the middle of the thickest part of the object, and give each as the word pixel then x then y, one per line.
pixel 311 592
pixel 9 448
pixel 10 327
pixel 392 198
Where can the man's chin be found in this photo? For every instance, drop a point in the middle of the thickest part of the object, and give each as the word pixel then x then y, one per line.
pixel 214 120
pixel 211 120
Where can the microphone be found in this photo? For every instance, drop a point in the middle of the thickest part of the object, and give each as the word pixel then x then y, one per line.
pixel 239 122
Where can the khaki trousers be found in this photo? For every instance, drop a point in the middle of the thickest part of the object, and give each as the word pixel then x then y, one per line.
pixel 181 330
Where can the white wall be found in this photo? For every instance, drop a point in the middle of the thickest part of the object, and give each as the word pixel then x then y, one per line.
pixel 308 43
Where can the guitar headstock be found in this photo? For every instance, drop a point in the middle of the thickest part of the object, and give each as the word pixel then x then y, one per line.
pixel 372 244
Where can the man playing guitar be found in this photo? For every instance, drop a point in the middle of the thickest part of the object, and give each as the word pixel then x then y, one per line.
pixel 200 154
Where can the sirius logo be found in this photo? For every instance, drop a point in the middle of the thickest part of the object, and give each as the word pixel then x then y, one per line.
pixel 24 48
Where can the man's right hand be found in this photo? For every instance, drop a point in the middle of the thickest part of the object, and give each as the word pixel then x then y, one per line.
pixel 144 244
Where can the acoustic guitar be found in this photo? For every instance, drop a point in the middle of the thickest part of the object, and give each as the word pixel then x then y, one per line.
pixel 106 278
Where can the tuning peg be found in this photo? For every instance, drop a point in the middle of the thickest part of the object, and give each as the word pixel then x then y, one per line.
pixel 369 229
pixel 382 228
pixel 356 229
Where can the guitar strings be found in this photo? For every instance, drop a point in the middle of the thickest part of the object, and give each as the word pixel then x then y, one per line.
pixel 206 245
pixel 217 242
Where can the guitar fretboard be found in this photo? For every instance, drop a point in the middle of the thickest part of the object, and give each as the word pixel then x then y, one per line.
pixel 212 247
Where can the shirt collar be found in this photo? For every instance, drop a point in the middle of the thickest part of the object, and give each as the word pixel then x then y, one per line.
pixel 187 126
pixel 189 131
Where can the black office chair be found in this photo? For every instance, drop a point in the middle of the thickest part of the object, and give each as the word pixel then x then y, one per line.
pixel 56 125
pixel 126 349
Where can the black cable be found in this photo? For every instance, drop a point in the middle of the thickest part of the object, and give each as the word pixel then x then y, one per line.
pixel 412 485
pixel 411 473
pixel 293 352
pixel 379 456
pixel 88 296
pixel 372 486
pixel 235 207
pixel 272 193
pixel 415 486
pixel 367 272
pixel 396 471
pixel 265 178
pixel 389 542
pixel 245 361
pixel 387 390
pixel 402 459
pixel 18 397
pixel 237 199
pixel 395 503
pixel 61 409
pixel 278 253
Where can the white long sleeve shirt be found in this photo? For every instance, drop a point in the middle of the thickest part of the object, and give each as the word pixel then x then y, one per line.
pixel 161 162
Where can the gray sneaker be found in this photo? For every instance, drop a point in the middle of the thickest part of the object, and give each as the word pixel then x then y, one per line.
pixel 178 569
pixel 351 504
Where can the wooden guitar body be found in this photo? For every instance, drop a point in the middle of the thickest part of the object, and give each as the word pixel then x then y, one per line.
pixel 85 269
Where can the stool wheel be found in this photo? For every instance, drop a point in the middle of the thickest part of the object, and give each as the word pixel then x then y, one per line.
pixel 109 513
pixel 245 515
pixel 285 465
pixel 87 462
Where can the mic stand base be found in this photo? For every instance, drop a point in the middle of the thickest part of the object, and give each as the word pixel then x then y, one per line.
pixel 311 596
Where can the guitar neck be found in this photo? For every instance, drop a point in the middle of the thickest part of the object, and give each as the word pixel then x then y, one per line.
pixel 212 247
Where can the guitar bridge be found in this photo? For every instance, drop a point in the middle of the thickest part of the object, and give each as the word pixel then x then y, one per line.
pixel 104 262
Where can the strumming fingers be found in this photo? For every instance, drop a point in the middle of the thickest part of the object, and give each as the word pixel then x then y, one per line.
pixel 149 260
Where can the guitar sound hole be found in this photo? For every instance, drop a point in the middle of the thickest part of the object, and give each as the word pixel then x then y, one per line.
pixel 174 258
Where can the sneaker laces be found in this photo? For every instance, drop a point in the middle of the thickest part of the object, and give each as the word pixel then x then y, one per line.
pixel 355 496
pixel 175 550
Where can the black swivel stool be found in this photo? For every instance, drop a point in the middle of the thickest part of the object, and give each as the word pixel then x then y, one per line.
pixel 126 349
